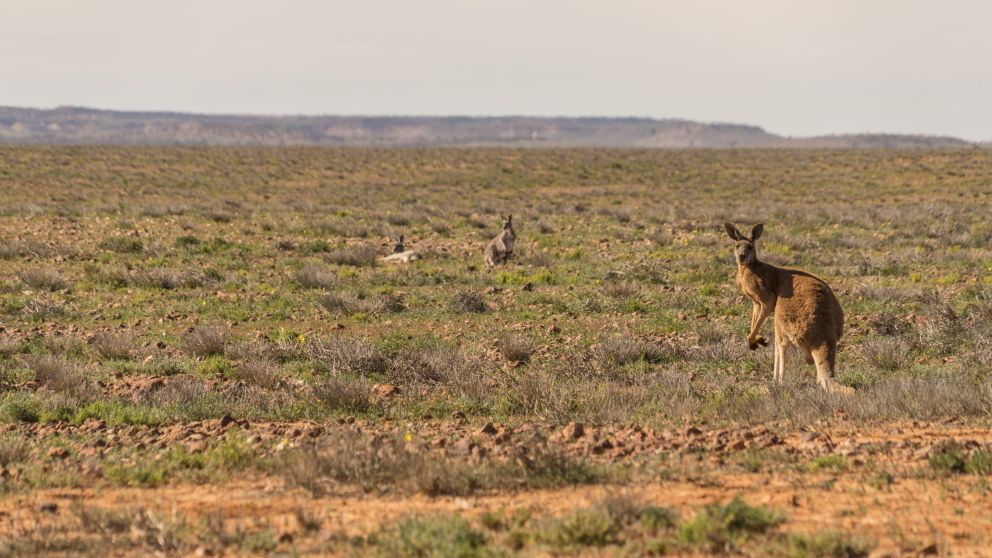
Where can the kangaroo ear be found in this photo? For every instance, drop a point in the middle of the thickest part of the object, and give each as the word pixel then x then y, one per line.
pixel 509 218
pixel 756 231
pixel 732 231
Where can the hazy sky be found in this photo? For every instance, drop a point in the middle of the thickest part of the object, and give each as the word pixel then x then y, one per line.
pixel 794 67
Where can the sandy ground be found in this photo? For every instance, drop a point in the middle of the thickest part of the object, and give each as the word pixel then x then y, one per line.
pixel 915 513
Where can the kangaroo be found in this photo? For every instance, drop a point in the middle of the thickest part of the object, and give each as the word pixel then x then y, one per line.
pixel 500 248
pixel 401 254
pixel 807 314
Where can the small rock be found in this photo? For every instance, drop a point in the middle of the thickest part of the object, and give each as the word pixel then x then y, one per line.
pixel 49 507
pixel 94 425
pixel 488 429
pixel 286 537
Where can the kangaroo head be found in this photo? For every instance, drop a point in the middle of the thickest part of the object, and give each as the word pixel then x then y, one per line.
pixel 507 222
pixel 744 251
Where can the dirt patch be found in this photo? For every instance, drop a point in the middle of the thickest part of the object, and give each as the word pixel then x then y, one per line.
pixel 907 510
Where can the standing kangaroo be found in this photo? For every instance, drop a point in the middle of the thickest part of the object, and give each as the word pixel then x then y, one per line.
pixel 807 314
pixel 500 248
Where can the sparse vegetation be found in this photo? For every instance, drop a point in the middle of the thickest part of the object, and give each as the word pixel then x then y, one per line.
pixel 43 279
pixel 116 346
pixel 361 255
pixel 206 341
pixel 468 301
pixel 609 350
pixel 316 277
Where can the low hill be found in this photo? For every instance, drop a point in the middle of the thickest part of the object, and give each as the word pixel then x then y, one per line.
pixel 75 125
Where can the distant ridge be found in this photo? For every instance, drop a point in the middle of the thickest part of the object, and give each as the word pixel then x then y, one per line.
pixel 78 125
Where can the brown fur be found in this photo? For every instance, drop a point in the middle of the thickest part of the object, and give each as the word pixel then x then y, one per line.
pixel 807 314
pixel 500 248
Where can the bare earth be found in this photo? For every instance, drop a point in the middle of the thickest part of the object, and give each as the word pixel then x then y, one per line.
pixel 913 514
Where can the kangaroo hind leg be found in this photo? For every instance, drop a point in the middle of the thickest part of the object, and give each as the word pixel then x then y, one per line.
pixel 825 358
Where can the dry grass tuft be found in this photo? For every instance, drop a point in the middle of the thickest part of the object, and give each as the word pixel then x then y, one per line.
pixel 349 355
pixel 445 366
pixel 620 350
pixel 259 373
pixel 116 346
pixel 373 305
pixel 516 348
pixel 56 373
pixel 316 277
pixel 384 462
pixel 340 394
pixel 360 255
pixel 43 279
pixel 206 341
pixel 468 301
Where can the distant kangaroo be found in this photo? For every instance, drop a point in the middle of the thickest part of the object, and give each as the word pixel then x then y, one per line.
pixel 398 247
pixel 500 248
pixel 807 314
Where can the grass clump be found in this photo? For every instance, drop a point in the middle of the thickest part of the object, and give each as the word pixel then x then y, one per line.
pixel 43 279
pixel 168 279
pixel 722 528
pixel 582 528
pixel 55 372
pixel 360 255
pixel 316 277
pixel 206 341
pixel 824 544
pixel 369 305
pixel 431 537
pixel 349 355
pixel 340 394
pixel 516 348
pixel 620 350
pixel 401 462
pixel 951 458
pixel 468 302
pixel 260 373
pixel 116 346
pixel 948 458
pixel 889 354
pixel 123 245
pixel 20 407
pixel 13 450
pixel 828 463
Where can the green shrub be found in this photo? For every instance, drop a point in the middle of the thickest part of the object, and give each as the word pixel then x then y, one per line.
pixel 432 537
pixel 720 528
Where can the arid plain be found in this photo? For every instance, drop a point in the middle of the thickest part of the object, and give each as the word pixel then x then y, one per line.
pixel 202 353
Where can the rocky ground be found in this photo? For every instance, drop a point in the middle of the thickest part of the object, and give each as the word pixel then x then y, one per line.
pixel 885 482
